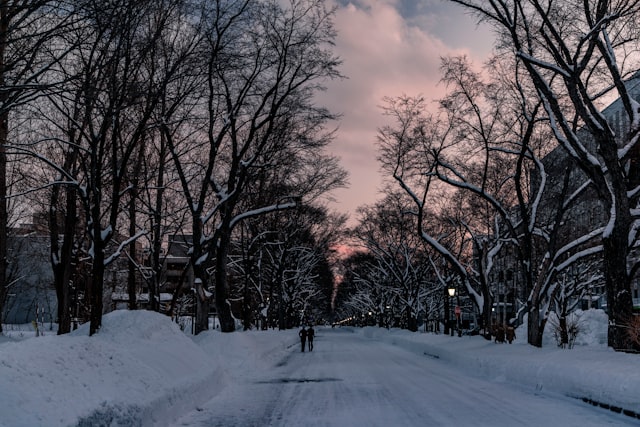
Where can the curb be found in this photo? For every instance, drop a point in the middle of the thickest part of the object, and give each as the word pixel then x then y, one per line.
pixel 612 408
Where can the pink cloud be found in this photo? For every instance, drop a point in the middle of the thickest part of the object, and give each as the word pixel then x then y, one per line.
pixel 384 54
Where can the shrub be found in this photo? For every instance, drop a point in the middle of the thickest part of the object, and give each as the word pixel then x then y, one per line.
pixel 565 332
pixel 633 332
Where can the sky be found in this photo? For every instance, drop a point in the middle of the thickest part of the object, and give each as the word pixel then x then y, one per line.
pixel 142 370
pixel 389 48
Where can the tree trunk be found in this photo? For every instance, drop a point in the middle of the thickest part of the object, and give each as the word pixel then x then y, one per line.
pixel 246 305
pixel 616 249
pixel 154 286
pixel 412 322
pixel 62 263
pixel 202 300
pixel 132 267
pixel 202 309
pixel 96 288
pixel 4 135
pixel 281 307
pixel 4 218
pixel 619 300
pixel 485 317
pixel 246 299
pixel 280 284
pixel 535 327
pixel 200 276
pixel 564 334
pixel 133 259
pixel 446 313
pixel 227 323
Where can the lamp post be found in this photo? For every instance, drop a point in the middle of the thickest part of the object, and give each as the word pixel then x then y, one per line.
pixel 445 320
pixel 458 312
pixel 452 293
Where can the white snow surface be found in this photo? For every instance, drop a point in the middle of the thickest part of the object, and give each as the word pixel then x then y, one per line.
pixel 142 370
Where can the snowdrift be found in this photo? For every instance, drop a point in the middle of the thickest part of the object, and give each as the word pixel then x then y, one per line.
pixel 142 370
pixel 590 371
pixel 130 373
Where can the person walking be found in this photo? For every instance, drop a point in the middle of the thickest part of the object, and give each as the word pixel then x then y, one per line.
pixel 303 337
pixel 310 334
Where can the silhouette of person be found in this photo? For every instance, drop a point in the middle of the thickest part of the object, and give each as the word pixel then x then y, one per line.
pixel 310 334
pixel 303 337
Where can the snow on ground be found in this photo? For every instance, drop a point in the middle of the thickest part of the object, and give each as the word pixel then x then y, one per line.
pixel 142 370
pixel 599 375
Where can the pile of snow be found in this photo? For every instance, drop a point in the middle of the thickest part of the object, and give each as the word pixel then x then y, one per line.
pixel 591 326
pixel 138 365
pixel 139 370
pixel 590 371
pixel 142 370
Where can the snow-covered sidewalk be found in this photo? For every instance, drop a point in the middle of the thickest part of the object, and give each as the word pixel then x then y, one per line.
pixel 141 370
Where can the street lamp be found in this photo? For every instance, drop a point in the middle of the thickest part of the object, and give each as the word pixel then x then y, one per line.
pixel 452 293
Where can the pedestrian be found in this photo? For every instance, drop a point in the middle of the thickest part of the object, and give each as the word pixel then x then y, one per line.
pixel 303 337
pixel 499 334
pixel 310 334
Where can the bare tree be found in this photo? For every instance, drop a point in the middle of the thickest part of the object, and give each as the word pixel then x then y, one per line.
pixel 407 152
pixel 362 290
pixel 28 51
pixel 487 143
pixel 581 52
pixel 264 62
pixel 386 230
pixel 571 286
pixel 107 107
pixel 271 245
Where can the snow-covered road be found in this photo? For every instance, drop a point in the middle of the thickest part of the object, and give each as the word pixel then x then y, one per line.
pixel 349 380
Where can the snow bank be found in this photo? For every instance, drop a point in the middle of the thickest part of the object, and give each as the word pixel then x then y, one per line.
pixel 142 370
pixel 591 372
pixel 591 324
pixel 139 370
pixel 130 373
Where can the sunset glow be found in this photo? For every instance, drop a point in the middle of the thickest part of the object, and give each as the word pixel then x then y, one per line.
pixel 389 48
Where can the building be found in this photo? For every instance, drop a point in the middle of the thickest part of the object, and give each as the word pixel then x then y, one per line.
pixel 32 296
pixel 177 270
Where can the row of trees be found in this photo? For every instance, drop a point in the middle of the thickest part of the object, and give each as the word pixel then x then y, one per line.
pixel 134 120
pixel 488 147
pixel 389 275
pixel 282 267
pixel 471 204
pixel 572 56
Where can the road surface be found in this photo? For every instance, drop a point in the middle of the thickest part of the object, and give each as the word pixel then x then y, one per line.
pixel 349 380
